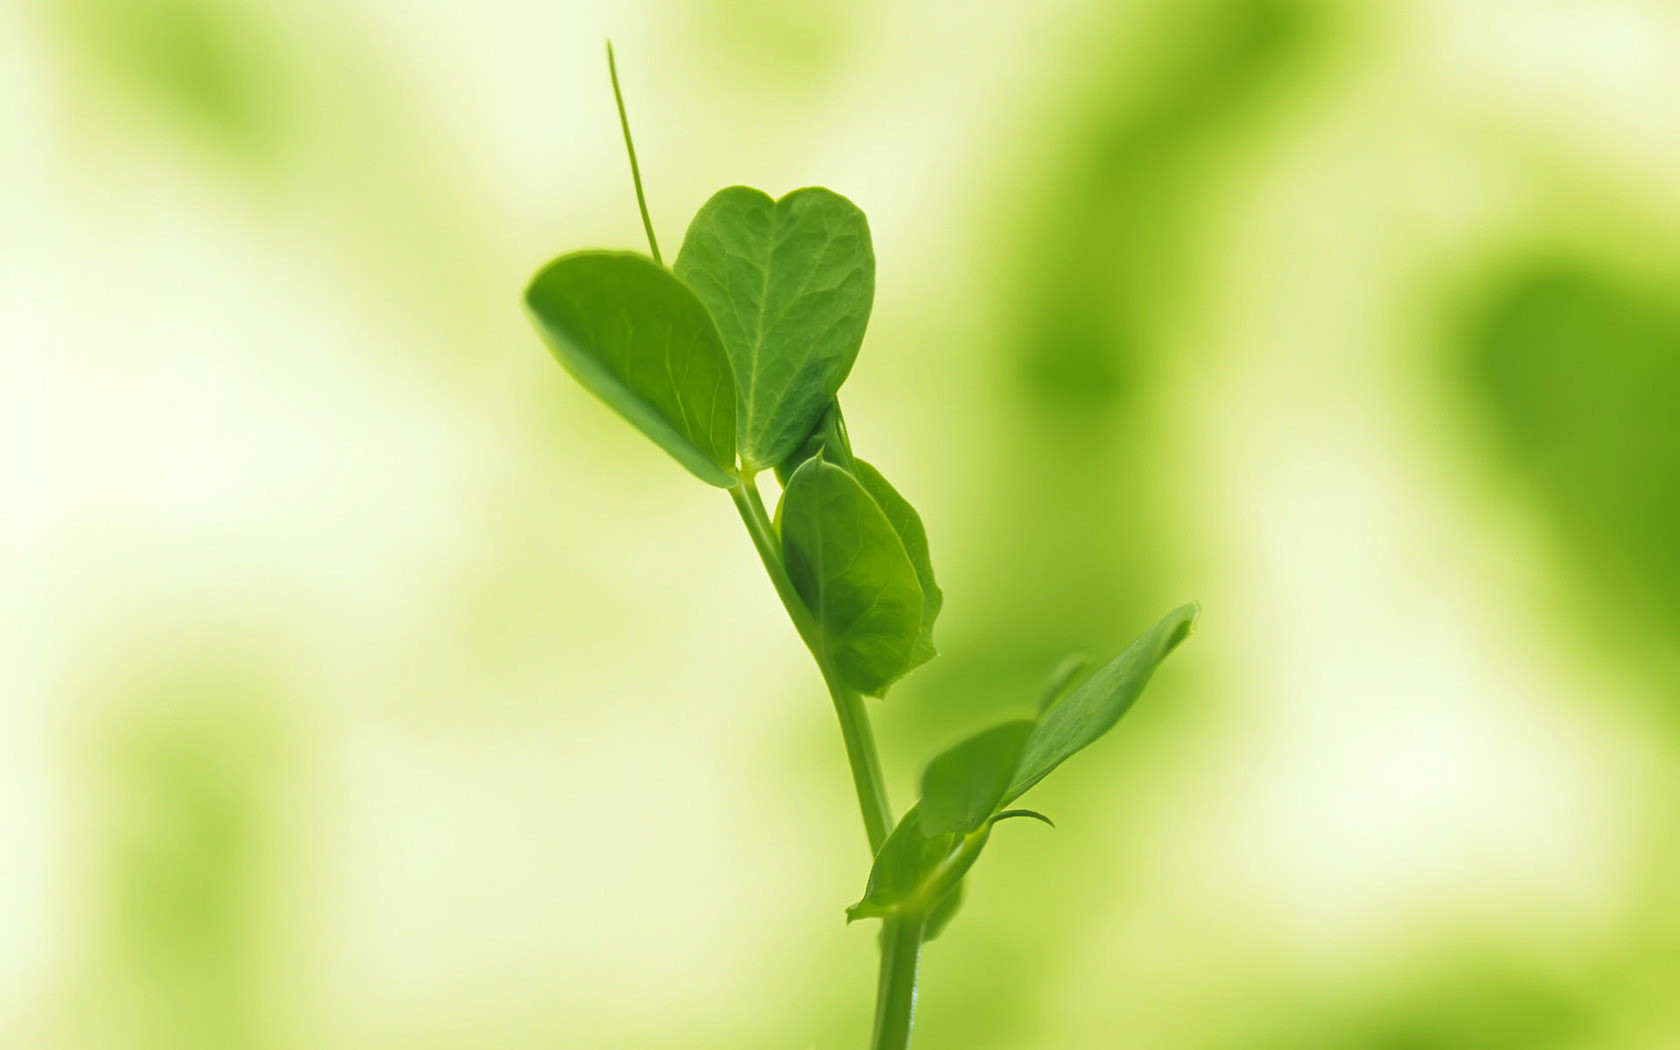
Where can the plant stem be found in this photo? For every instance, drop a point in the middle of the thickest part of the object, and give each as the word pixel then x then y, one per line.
pixel 895 995
pixel 848 705
pixel 901 935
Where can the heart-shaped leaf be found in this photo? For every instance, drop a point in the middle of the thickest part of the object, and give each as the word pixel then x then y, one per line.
pixel 961 788
pixel 908 524
pixel 851 569
pixel 637 338
pixel 1098 703
pixel 790 284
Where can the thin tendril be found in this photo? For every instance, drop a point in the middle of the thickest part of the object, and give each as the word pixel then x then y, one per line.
pixel 630 147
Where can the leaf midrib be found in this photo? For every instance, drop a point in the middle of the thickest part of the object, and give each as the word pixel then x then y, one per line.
pixel 763 309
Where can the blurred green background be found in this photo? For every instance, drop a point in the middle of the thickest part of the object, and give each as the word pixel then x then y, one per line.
pixel 363 684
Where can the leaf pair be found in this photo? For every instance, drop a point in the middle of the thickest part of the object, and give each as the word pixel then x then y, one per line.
pixel 967 789
pixel 852 541
pixel 741 352
pixel 742 349
pixel 973 781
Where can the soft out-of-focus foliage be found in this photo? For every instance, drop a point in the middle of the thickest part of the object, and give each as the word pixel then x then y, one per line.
pixel 364 684
pixel 1576 369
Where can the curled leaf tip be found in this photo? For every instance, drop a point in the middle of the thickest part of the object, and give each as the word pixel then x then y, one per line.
pixel 1032 813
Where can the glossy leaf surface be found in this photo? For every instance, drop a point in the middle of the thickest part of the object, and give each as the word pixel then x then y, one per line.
pixel 790 284
pixel 637 338
pixel 852 572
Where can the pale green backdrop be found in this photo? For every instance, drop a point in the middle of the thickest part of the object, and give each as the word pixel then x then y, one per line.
pixel 365 686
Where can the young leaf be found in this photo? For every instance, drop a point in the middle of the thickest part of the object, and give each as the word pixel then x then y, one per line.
pixel 790 284
pixel 828 438
pixel 853 573
pixel 962 787
pixel 1099 702
pixel 908 524
pixel 916 872
pixel 905 860
pixel 637 338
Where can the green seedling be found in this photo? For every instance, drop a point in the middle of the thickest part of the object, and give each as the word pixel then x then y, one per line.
pixel 732 362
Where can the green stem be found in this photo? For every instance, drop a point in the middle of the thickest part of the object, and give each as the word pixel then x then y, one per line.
pixel 901 935
pixel 895 995
pixel 848 705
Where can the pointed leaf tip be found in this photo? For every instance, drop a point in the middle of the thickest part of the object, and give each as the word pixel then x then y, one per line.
pixel 1099 702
